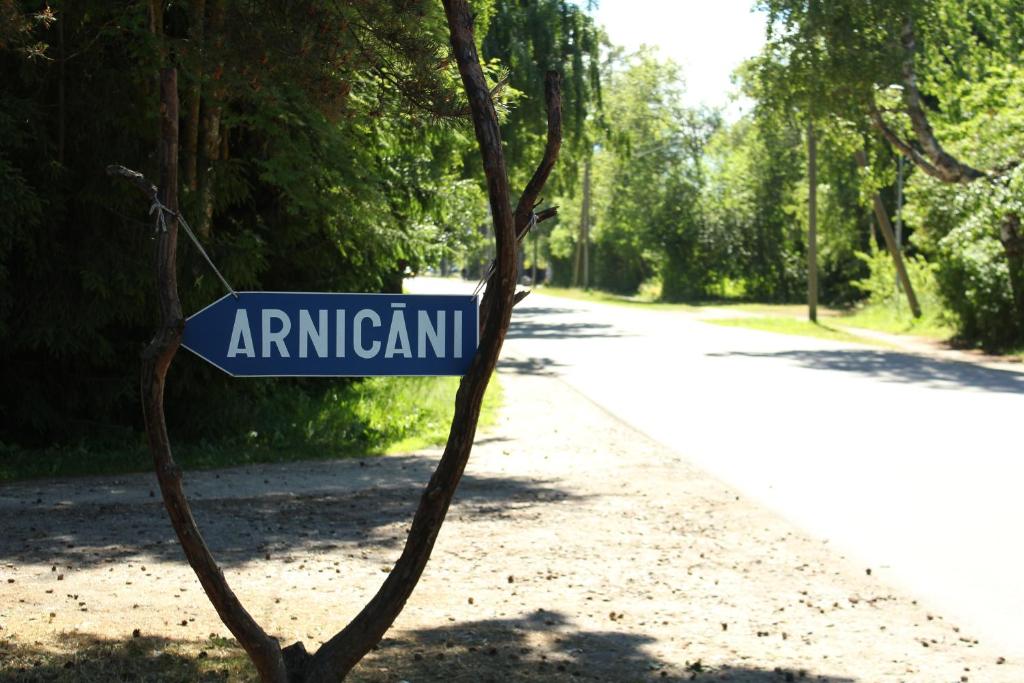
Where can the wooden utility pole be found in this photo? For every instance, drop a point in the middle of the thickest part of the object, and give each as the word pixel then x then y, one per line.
pixel 812 225
pixel 899 202
pixel 890 242
pixel 581 264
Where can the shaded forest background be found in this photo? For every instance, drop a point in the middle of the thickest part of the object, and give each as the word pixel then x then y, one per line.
pixel 325 148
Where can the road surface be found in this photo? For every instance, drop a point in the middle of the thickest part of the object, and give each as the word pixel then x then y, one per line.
pixel 911 465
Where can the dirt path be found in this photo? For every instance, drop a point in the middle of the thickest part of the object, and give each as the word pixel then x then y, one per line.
pixel 577 550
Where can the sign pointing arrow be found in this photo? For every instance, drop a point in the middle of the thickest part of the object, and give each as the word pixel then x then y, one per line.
pixel 302 334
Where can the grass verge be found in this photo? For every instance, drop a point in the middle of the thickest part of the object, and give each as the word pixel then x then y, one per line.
pixel 374 416
pixel 783 325
pixel 601 297
pixel 90 659
pixel 789 318
pixel 897 321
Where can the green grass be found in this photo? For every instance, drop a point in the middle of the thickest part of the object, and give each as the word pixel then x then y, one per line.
pixel 789 318
pixel 601 297
pixel 897 320
pixel 432 425
pixel 795 326
pixel 371 417
pixel 91 659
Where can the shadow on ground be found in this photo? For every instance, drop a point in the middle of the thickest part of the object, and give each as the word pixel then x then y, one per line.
pixel 535 323
pixel 365 504
pixel 891 366
pixel 533 365
pixel 543 646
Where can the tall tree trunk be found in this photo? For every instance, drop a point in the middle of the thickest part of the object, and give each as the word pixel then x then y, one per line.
pixel 61 88
pixel 586 228
pixel 193 94
pixel 1013 244
pixel 932 158
pixel 213 95
pixel 156 29
pixel 812 225
pixel 533 275
pixel 581 272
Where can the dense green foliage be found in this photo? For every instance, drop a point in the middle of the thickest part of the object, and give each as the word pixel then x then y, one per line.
pixel 939 81
pixel 706 209
pixel 723 212
pixel 646 180
pixel 332 153
pixel 323 147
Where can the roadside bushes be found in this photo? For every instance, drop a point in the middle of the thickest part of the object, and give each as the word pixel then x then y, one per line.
pixel 958 227
pixel 974 279
pixel 883 295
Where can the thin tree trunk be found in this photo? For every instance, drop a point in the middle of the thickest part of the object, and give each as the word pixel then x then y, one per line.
pixel 890 242
pixel 951 169
pixel 533 276
pixel 61 88
pixel 213 96
pixel 193 98
pixel 577 259
pixel 932 159
pixel 156 29
pixel 338 655
pixel 585 228
pixel 812 225
pixel 1013 244
pixel 156 360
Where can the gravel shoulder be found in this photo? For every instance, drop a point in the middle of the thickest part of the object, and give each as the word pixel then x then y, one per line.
pixel 577 549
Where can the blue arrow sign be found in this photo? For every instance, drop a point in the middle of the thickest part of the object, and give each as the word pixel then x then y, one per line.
pixel 300 334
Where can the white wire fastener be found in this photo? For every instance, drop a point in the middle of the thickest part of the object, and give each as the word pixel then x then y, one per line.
pixel 161 226
pixel 491 266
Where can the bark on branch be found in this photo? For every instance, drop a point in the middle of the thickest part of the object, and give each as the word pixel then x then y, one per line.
pixel 528 200
pixel 931 158
pixel 524 212
pixel 156 359
pixel 951 170
pixel 338 655
pixel 899 143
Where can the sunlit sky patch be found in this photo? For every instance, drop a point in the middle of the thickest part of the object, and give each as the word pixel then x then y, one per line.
pixel 708 38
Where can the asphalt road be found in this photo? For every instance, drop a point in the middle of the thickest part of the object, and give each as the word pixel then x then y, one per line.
pixel 908 464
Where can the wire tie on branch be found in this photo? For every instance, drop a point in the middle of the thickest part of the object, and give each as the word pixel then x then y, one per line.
pixel 161 226
pixel 490 267
pixel 529 226
pixel 485 278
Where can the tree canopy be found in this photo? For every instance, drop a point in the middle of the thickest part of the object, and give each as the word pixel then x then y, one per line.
pixel 318 145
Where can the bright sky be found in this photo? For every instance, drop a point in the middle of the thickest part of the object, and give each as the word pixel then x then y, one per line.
pixel 708 38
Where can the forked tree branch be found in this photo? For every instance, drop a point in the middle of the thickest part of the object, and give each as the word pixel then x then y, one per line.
pixel 931 157
pixel 339 654
pixel 156 359
pixel 949 168
pixel 528 200
pixel 899 143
